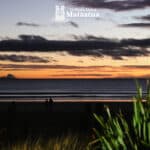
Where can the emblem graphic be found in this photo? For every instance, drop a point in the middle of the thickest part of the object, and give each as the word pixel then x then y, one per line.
pixel 60 13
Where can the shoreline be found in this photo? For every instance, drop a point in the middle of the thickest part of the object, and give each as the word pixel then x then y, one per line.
pixel 71 101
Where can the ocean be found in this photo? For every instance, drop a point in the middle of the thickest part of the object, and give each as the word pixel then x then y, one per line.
pixel 70 88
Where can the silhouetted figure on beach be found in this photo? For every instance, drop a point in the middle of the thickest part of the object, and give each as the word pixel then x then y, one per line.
pixel 49 103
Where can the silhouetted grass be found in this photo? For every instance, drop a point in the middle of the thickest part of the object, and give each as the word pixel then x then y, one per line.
pixel 115 133
pixel 66 142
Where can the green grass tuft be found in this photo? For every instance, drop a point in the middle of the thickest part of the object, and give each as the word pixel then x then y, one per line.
pixel 115 133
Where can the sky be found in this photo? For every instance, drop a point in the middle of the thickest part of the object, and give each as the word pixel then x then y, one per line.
pixel 114 44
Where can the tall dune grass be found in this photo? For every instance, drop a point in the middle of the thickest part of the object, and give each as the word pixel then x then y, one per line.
pixel 68 142
pixel 115 133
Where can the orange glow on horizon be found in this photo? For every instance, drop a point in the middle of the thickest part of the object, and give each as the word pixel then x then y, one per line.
pixel 92 72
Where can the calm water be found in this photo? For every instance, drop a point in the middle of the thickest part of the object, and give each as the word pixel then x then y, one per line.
pixel 108 88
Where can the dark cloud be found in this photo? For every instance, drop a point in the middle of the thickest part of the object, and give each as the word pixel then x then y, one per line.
pixel 66 67
pixel 137 25
pixel 145 24
pixel 32 38
pixel 115 5
pixel 66 24
pixel 93 59
pixel 139 67
pixel 23 58
pixel 80 61
pixel 146 18
pixel 38 67
pixel 97 47
pixel 53 60
pixel 73 24
pixel 27 24
pixel 88 37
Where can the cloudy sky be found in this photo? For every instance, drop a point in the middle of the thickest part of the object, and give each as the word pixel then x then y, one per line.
pixel 116 44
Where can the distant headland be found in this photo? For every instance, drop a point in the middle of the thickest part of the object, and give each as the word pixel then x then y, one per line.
pixel 9 76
